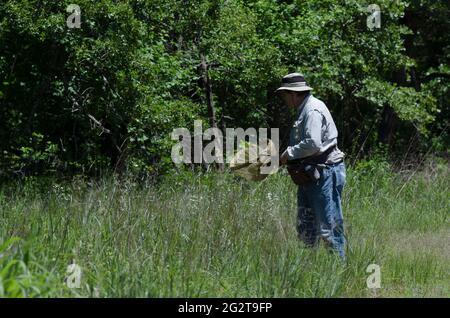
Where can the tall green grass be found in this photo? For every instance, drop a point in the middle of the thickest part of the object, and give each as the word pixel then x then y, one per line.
pixel 213 235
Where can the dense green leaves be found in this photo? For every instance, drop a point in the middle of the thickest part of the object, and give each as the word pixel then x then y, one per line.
pixel 107 95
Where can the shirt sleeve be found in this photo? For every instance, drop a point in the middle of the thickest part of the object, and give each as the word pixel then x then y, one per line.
pixel 311 142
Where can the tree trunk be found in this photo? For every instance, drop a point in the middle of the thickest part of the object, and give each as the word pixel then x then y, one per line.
pixel 208 91
pixel 209 96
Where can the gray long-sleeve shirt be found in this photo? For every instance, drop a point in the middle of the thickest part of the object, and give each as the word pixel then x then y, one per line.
pixel 313 132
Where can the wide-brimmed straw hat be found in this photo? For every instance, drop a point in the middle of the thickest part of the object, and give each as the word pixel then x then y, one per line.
pixel 294 82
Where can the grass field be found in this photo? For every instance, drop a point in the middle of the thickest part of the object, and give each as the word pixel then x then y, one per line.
pixel 213 235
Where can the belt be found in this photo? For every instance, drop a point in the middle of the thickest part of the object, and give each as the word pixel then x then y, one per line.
pixel 314 160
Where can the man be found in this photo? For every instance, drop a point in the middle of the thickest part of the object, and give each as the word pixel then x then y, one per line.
pixel 313 139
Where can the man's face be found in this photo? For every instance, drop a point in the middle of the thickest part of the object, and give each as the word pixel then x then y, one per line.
pixel 291 99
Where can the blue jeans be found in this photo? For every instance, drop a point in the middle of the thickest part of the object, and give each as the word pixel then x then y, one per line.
pixel 320 209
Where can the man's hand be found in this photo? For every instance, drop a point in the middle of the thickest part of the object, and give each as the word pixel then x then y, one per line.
pixel 284 158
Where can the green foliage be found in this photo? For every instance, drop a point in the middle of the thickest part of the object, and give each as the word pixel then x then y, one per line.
pixel 16 279
pixel 410 105
pixel 107 95
pixel 212 235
